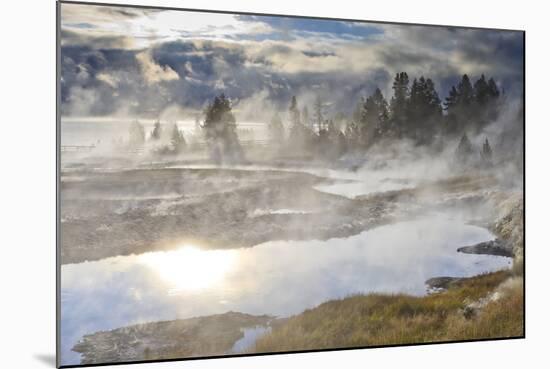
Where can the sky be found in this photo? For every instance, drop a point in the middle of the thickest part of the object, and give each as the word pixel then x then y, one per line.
pixel 134 62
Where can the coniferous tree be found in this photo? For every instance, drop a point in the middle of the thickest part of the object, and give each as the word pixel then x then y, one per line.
pixel 459 107
pixel 452 121
pixel 464 150
pixel 494 99
pixel 318 113
pixel 382 109
pixel 358 111
pixel 156 133
pixel 465 92
pixel 374 118
pixel 451 101
pixel 486 152
pixel 293 111
pixel 482 101
pixel 481 91
pixel 398 104
pixel 470 107
pixel 220 131
pixel 433 100
pixel 300 136
pixel 415 108
pixel 424 111
pixel 434 117
pixel 466 98
pixel 177 141
pixel 352 134
pixel 493 89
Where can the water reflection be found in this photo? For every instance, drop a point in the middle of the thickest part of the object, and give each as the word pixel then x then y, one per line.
pixel 278 278
pixel 190 268
pixel 353 189
pixel 250 335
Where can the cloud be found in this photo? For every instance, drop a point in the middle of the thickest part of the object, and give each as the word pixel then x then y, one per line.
pixel 445 52
pixel 81 37
pixel 150 26
pixel 315 27
pixel 72 14
pixel 153 72
pixel 142 62
pixel 109 79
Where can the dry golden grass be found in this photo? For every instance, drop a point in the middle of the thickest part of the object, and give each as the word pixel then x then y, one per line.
pixel 376 319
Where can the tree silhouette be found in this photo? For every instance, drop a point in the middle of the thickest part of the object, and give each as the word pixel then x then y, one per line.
pixel 318 113
pixel 424 111
pixel 465 149
pixel 398 104
pixel 300 137
pixel 470 107
pixel 177 141
pixel 156 133
pixel 293 111
pixel 220 131
pixel 374 118
pixel 486 152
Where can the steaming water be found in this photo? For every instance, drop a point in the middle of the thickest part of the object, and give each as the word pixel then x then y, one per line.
pixel 260 212
pixel 359 188
pixel 92 132
pixel 319 172
pixel 279 278
pixel 342 182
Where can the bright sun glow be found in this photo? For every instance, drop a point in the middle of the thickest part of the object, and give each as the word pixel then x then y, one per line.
pixel 190 268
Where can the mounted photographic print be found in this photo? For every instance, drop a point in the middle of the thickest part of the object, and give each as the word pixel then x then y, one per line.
pixel 240 184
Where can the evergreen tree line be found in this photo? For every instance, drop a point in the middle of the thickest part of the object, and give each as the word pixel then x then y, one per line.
pixel 219 130
pixel 170 141
pixel 414 112
pixel 313 135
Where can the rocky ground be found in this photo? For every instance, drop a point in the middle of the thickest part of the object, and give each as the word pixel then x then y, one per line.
pixel 212 335
pixel 494 247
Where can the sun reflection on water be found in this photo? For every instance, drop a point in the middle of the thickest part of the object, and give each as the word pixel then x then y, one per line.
pixel 190 268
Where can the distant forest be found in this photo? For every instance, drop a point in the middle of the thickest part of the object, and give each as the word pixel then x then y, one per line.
pixel 415 112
